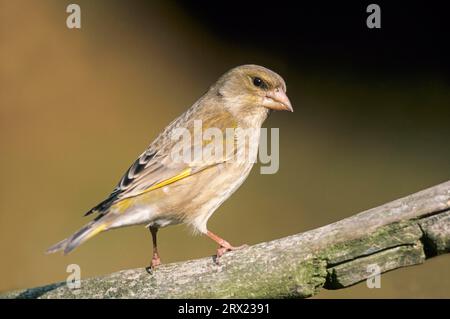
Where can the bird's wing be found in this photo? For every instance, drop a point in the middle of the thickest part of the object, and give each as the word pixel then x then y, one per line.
pixel 156 166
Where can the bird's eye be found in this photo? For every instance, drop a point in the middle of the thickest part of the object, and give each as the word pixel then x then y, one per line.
pixel 257 82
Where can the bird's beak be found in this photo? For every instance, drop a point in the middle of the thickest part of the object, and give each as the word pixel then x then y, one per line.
pixel 277 100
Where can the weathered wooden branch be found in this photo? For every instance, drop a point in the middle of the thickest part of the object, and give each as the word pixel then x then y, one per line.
pixel 401 233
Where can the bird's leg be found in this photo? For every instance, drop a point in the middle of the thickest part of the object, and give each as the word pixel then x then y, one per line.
pixel 156 261
pixel 224 246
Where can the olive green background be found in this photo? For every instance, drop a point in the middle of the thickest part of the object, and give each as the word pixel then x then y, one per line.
pixel 77 107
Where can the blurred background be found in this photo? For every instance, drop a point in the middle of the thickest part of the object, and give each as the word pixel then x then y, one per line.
pixel 77 106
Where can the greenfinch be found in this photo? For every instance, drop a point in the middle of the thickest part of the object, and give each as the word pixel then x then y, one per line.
pixel 161 189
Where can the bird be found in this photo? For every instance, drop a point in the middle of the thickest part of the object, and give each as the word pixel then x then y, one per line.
pixel 160 189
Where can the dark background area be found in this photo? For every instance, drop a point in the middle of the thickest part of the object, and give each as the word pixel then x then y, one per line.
pixel 413 37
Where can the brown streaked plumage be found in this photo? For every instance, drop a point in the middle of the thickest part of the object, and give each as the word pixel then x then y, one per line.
pixel 159 191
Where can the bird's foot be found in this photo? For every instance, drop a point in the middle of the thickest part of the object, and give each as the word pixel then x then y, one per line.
pixel 227 247
pixel 224 246
pixel 156 261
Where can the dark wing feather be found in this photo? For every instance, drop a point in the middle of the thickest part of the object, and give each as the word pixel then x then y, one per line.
pixel 137 167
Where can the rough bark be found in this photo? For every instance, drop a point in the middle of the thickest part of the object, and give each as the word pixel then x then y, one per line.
pixel 400 233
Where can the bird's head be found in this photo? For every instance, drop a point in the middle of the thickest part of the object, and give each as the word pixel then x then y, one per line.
pixel 252 88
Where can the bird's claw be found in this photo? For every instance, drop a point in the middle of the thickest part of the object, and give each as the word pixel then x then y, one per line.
pixel 156 261
pixel 223 249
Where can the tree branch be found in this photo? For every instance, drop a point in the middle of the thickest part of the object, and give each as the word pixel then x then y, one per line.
pixel 401 233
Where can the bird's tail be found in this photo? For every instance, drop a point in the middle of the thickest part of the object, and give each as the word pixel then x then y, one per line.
pixel 88 231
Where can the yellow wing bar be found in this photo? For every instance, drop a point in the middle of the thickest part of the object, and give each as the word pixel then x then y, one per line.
pixel 185 173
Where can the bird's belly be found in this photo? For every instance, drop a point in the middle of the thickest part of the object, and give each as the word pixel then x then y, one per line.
pixel 218 189
pixel 163 222
pixel 191 200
